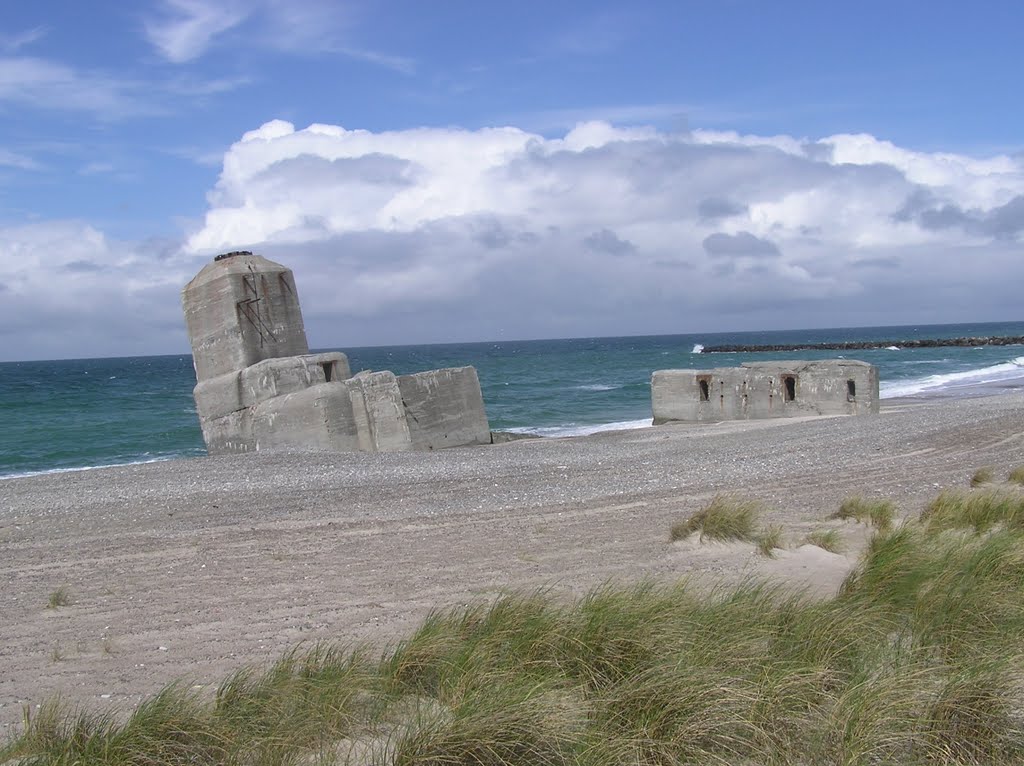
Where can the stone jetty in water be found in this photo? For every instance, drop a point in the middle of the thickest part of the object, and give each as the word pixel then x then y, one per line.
pixel 860 345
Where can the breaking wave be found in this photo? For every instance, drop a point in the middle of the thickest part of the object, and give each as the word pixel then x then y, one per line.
pixel 572 429
pixel 933 384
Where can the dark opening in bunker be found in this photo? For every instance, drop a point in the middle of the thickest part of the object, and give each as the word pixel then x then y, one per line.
pixel 851 390
pixel 789 388
pixel 328 368
pixel 705 389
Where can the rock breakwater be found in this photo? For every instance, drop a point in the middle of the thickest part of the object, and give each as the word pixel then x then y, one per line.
pixel 855 345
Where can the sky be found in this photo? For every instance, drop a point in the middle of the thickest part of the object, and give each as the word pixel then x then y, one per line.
pixel 463 171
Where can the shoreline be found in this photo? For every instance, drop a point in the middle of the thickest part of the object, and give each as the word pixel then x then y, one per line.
pixel 192 568
pixel 967 391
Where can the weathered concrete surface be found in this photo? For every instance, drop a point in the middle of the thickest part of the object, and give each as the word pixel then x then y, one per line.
pixel 239 310
pixel 444 408
pixel 227 434
pixel 276 377
pixel 765 390
pixel 320 417
pixel 378 412
pixel 240 389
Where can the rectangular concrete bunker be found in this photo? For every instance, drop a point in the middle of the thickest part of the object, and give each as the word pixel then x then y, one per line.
pixel 765 390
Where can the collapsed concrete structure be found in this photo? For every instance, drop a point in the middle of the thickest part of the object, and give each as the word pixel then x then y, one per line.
pixel 765 390
pixel 259 388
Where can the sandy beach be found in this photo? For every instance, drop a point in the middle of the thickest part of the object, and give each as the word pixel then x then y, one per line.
pixel 190 569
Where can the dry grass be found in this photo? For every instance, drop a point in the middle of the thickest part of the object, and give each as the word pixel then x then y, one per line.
pixel 724 518
pixel 1016 476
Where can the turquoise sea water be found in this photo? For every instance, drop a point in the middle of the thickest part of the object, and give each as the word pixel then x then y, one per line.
pixel 71 414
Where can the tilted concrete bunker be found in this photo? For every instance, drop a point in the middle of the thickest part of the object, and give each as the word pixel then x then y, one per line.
pixel 765 390
pixel 259 388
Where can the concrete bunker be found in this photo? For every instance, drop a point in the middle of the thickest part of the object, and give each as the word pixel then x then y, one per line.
pixel 258 387
pixel 765 390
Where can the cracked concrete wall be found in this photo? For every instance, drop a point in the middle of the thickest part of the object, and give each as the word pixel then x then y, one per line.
pixel 241 309
pixel 378 411
pixel 445 408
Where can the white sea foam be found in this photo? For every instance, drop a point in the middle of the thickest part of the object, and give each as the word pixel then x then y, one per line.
pixel 893 348
pixel 697 349
pixel 597 387
pixel 77 469
pixel 572 429
pixel 936 383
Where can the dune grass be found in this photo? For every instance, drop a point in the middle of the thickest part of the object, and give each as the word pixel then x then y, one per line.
pixel 879 514
pixel 58 598
pixel 916 660
pixel 826 539
pixel 979 510
pixel 983 475
pixel 769 540
pixel 1016 476
pixel 724 518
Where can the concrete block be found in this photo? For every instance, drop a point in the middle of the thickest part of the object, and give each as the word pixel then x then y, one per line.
pixel 444 408
pixel 378 412
pixel 241 309
pixel 276 377
pixel 219 396
pixel 231 433
pixel 316 418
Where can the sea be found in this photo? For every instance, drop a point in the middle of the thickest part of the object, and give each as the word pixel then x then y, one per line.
pixel 76 414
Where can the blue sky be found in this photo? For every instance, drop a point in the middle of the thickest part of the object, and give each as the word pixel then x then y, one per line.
pixel 852 150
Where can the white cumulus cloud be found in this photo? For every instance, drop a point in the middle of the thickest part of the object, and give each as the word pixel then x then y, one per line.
pixel 607 229
pixel 435 234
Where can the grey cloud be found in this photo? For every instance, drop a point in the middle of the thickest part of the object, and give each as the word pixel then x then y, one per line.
pixel 1003 222
pixel 713 208
pixel 740 244
pixel 607 241
pixel 671 175
pixel 818 151
pixel 682 265
pixel 1007 220
pixel 877 263
pixel 916 203
pixel 82 266
pixel 370 169
pixel 944 217
pixel 493 234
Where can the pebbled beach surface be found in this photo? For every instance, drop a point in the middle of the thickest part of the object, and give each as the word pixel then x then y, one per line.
pixel 187 570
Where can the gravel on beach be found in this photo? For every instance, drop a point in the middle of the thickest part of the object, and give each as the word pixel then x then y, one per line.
pixel 190 569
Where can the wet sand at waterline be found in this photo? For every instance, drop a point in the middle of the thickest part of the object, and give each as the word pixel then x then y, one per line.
pixel 190 569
